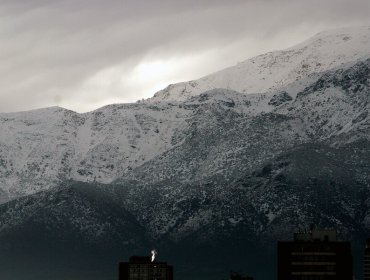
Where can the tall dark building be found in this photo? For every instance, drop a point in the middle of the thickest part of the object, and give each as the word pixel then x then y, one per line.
pixel 143 268
pixel 367 261
pixel 315 255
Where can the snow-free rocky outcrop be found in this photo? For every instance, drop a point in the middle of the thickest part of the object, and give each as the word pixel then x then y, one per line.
pixel 221 172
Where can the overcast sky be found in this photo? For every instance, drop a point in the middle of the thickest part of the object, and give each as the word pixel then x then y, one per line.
pixel 83 54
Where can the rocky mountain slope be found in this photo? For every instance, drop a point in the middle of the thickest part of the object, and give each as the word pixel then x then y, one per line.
pixel 222 173
pixel 69 232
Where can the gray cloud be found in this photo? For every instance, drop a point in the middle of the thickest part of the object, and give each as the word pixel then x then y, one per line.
pixel 82 54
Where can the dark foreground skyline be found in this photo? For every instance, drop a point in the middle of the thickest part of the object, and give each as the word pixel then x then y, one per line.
pixel 315 254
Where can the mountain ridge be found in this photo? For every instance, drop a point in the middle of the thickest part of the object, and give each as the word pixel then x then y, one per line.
pixel 260 74
pixel 222 172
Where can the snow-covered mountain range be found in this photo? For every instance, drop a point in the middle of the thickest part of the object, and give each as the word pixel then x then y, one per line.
pixel 235 160
pixel 40 148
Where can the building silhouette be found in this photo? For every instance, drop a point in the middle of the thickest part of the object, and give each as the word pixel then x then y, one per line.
pixel 315 255
pixel 143 268
pixel 367 261
pixel 237 276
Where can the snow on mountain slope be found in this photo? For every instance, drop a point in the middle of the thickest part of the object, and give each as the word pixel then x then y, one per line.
pixel 40 149
pixel 274 70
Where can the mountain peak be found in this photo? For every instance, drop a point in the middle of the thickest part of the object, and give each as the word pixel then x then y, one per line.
pixel 273 71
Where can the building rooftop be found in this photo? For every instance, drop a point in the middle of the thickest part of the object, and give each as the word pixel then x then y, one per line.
pixel 317 235
pixel 140 259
